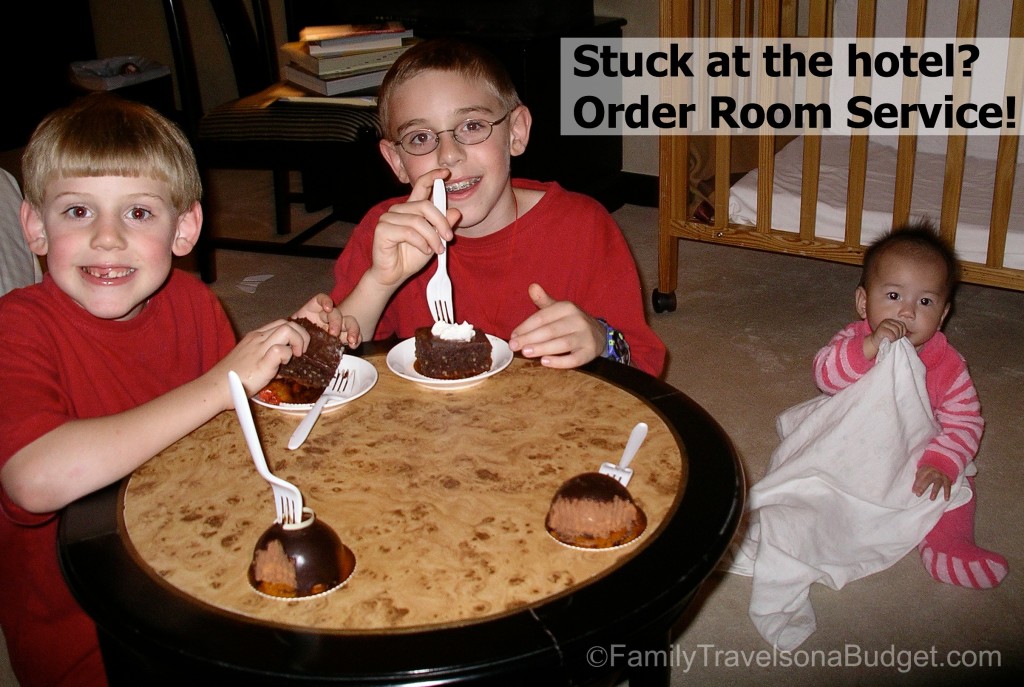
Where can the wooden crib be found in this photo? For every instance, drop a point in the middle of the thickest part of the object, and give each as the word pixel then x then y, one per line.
pixel 743 214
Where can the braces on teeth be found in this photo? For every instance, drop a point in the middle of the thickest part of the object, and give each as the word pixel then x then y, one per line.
pixel 460 186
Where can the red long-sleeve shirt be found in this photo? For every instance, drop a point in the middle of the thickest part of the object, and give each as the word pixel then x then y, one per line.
pixel 951 392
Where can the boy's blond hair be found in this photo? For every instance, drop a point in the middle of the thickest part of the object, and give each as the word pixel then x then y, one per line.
pixel 446 55
pixel 102 134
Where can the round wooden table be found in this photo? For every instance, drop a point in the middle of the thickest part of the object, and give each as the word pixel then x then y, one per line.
pixel 441 495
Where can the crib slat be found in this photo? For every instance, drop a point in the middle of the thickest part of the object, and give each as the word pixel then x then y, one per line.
pixel 723 157
pixel 956 146
pixel 766 137
pixel 952 185
pixel 859 139
pixel 907 150
pixel 748 18
pixel 1006 159
pixel 1002 196
pixel 765 181
pixel 904 187
pixel 790 12
pixel 723 144
pixel 817 28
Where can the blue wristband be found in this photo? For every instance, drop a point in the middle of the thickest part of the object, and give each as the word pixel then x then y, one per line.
pixel 616 348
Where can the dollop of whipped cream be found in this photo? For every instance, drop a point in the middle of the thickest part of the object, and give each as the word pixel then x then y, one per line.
pixel 453 332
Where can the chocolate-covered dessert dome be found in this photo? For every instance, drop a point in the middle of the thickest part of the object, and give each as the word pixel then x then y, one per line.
pixel 594 511
pixel 300 559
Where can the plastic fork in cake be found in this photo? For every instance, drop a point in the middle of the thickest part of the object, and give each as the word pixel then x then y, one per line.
pixel 439 288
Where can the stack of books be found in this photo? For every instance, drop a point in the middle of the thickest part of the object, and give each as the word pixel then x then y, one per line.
pixel 348 59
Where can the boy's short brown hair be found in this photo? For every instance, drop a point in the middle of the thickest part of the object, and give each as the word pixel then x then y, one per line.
pixel 101 134
pixel 914 240
pixel 446 55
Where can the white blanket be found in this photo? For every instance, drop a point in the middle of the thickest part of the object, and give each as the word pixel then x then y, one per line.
pixel 836 504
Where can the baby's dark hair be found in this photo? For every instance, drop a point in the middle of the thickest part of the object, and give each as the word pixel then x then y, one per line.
pixel 915 239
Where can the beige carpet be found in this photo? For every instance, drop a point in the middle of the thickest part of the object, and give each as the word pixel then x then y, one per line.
pixel 741 343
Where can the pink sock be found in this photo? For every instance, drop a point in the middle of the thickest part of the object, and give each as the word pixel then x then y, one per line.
pixel 950 555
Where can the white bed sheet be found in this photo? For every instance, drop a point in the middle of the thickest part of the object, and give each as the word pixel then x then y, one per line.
pixel 926 203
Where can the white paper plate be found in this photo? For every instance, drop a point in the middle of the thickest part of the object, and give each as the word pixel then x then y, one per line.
pixel 403 355
pixel 366 377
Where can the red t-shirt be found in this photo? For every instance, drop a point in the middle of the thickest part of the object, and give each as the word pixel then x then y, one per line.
pixel 61 363
pixel 567 243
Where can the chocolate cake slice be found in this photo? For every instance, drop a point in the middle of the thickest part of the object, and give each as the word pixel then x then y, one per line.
pixel 451 359
pixel 303 378
pixel 316 366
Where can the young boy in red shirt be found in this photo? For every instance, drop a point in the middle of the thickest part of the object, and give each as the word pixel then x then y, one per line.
pixel 111 358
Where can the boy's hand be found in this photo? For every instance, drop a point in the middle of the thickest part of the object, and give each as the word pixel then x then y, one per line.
pixel 257 357
pixel 410 233
pixel 561 334
pixel 933 479
pixel 320 310
pixel 887 330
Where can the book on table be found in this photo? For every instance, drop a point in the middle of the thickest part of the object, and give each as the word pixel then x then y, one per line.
pixel 335 83
pixel 338 39
pixel 297 53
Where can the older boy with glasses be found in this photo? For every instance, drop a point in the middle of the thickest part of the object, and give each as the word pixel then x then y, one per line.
pixel 530 262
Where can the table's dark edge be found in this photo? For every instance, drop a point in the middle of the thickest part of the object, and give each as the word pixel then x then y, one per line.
pixel 646 595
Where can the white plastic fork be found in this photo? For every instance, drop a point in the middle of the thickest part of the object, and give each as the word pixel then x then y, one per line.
pixel 336 388
pixel 439 288
pixel 287 497
pixel 622 472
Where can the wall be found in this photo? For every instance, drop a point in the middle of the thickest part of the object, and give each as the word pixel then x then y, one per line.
pixel 639 153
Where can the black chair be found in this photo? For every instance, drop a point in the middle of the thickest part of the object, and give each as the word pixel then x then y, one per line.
pixel 333 146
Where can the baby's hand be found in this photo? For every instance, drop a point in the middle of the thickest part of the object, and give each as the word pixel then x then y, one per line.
pixel 410 233
pixel 934 479
pixel 559 333
pixel 887 330
pixel 320 310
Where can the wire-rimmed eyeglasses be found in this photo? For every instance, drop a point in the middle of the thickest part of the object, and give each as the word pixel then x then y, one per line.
pixel 469 133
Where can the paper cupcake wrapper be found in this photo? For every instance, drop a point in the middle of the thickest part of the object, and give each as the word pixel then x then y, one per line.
pixel 311 596
pixel 599 549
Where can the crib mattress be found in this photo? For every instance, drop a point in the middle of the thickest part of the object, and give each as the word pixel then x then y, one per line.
pixel 975 199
